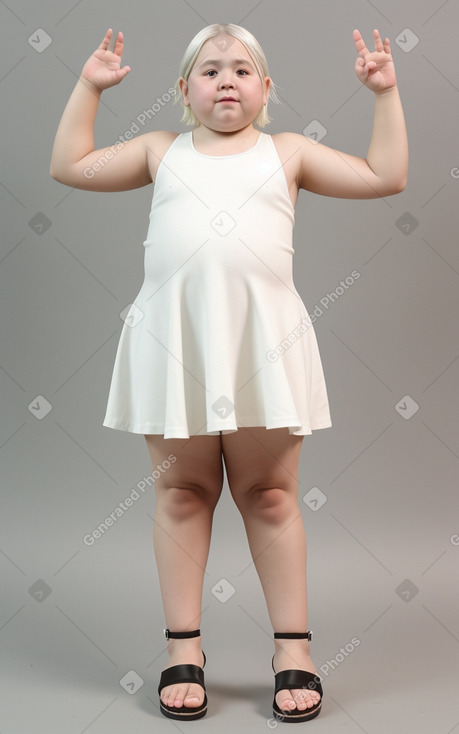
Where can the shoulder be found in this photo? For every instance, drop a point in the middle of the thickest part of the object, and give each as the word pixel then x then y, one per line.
pixel 289 141
pixel 157 143
pixel 290 149
pixel 310 159
pixel 160 140
pixel 297 144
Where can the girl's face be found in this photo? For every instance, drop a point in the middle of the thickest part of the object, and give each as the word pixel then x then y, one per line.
pixel 224 68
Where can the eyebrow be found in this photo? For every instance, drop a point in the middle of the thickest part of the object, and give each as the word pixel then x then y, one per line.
pixel 214 62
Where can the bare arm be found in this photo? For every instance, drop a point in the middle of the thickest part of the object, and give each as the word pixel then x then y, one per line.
pixel 384 171
pixel 388 152
pixel 74 161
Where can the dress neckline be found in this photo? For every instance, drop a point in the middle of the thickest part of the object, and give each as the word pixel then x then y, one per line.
pixel 234 155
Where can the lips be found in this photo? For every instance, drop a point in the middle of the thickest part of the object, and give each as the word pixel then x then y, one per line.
pixel 227 99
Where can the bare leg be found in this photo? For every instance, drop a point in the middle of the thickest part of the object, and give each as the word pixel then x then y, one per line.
pixel 186 496
pixel 262 469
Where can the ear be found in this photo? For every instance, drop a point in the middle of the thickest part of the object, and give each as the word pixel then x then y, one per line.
pixel 184 90
pixel 266 88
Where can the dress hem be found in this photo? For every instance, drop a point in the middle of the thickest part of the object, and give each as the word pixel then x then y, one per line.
pixel 183 432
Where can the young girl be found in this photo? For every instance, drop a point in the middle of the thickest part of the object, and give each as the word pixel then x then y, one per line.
pixel 218 358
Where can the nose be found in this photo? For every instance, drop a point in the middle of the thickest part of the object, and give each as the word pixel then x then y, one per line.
pixel 226 80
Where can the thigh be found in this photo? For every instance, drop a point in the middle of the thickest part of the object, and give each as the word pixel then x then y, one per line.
pixel 256 458
pixel 187 463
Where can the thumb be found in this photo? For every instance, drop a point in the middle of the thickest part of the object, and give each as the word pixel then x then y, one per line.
pixel 360 70
pixel 121 73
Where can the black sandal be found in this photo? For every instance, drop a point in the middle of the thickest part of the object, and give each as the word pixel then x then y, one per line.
pixel 295 679
pixel 183 674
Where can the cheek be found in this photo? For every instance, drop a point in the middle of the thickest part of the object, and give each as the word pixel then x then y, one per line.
pixel 202 93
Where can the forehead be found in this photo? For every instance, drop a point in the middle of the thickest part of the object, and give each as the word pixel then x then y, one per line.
pixel 223 47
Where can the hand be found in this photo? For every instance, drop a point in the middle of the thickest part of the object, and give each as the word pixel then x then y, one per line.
pixel 376 70
pixel 103 68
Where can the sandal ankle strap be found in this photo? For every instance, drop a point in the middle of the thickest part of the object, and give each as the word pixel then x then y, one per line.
pixel 293 635
pixel 181 635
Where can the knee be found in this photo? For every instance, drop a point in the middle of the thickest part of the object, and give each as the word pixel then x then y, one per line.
pixel 181 503
pixel 273 505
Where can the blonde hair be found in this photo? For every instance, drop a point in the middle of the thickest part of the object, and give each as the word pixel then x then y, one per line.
pixel 252 46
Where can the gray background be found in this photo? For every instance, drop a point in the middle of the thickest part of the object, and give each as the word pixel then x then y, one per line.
pixel 383 548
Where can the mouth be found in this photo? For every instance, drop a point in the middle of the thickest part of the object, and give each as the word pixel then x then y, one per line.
pixel 227 99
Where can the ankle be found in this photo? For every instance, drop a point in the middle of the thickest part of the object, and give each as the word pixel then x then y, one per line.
pixel 179 646
pixel 292 648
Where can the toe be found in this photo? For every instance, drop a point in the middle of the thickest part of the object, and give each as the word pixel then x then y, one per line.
pixel 194 697
pixel 166 696
pixel 285 701
pixel 182 695
pixel 305 699
pixel 298 698
pixel 173 696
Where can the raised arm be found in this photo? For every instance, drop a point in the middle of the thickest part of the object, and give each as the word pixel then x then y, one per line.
pixel 74 161
pixel 384 171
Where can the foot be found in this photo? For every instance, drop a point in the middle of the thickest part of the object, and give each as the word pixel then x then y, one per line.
pixel 186 651
pixel 294 654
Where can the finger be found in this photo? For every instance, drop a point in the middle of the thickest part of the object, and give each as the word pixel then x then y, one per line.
pixel 124 71
pixel 119 45
pixel 378 41
pixel 359 43
pixel 387 46
pixel 111 45
pixel 121 73
pixel 105 43
pixel 360 69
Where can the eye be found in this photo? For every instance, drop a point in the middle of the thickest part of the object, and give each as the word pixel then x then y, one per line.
pixel 213 71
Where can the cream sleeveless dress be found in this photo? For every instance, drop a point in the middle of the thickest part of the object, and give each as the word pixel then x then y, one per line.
pixel 218 336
